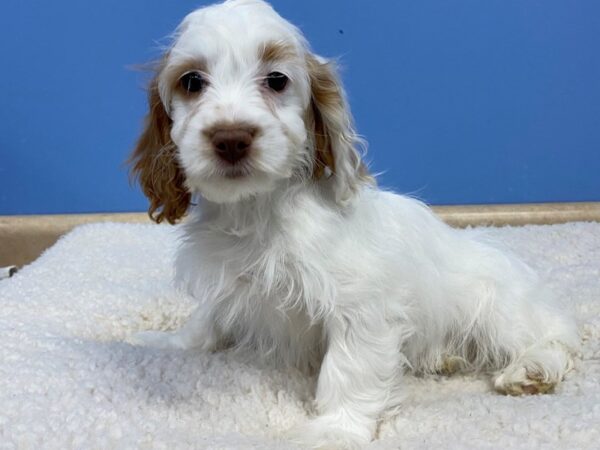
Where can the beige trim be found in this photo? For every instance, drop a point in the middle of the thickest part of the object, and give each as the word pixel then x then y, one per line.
pixel 519 214
pixel 24 238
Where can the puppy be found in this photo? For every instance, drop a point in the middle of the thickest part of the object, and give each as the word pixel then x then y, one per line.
pixel 293 253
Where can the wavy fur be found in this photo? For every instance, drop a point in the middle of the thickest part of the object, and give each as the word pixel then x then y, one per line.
pixel 304 262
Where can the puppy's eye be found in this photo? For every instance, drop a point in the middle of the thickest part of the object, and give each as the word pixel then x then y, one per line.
pixel 192 82
pixel 277 81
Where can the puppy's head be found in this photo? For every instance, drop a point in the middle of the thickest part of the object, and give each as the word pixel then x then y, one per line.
pixel 239 104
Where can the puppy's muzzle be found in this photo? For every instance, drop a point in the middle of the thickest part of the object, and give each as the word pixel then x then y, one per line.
pixel 232 144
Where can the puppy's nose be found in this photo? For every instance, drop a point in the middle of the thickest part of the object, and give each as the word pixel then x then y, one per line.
pixel 232 145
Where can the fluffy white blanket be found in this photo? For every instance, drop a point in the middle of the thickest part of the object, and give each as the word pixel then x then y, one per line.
pixel 68 380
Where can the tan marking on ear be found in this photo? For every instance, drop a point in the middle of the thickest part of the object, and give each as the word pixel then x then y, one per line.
pixel 154 163
pixel 328 102
pixel 323 152
pixel 324 94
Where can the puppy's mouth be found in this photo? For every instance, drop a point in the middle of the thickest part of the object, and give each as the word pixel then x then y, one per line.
pixel 235 172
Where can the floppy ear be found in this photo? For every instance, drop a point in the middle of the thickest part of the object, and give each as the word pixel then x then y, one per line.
pixel 334 138
pixel 154 163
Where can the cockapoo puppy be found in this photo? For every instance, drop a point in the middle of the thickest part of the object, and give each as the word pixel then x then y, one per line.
pixel 293 253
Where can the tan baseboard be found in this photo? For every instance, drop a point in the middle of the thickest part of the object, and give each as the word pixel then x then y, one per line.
pixel 24 238
pixel 519 214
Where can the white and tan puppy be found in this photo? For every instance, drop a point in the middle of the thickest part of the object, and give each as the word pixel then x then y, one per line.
pixel 292 251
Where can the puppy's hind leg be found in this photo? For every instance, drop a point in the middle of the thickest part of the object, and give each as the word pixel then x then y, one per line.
pixel 545 340
pixel 537 371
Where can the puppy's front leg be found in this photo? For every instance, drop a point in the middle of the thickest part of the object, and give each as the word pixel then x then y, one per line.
pixel 355 381
pixel 199 332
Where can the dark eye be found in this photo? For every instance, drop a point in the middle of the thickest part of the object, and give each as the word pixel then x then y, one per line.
pixel 277 81
pixel 192 82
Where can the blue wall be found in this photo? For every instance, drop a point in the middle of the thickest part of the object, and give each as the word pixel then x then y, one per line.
pixel 464 101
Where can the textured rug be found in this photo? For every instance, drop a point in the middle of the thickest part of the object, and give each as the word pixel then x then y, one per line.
pixel 69 381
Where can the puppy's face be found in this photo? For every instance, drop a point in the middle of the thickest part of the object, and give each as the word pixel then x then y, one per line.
pixel 238 104
pixel 237 90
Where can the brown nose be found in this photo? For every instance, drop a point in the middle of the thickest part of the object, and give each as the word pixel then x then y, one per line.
pixel 233 144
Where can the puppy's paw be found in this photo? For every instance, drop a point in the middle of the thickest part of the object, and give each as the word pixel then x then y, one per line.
pixel 324 434
pixel 452 365
pixel 155 339
pixel 537 372
pixel 520 381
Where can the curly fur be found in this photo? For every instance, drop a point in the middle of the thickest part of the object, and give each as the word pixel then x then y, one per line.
pixel 302 260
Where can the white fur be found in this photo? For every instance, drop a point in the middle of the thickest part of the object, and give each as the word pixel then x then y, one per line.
pixel 335 275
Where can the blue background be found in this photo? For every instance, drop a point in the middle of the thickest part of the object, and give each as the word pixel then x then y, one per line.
pixel 465 101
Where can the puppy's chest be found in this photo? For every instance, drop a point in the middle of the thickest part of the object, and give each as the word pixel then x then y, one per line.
pixel 261 273
pixel 269 274
pixel 276 306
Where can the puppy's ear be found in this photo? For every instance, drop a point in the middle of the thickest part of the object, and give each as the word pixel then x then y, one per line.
pixel 334 137
pixel 154 163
